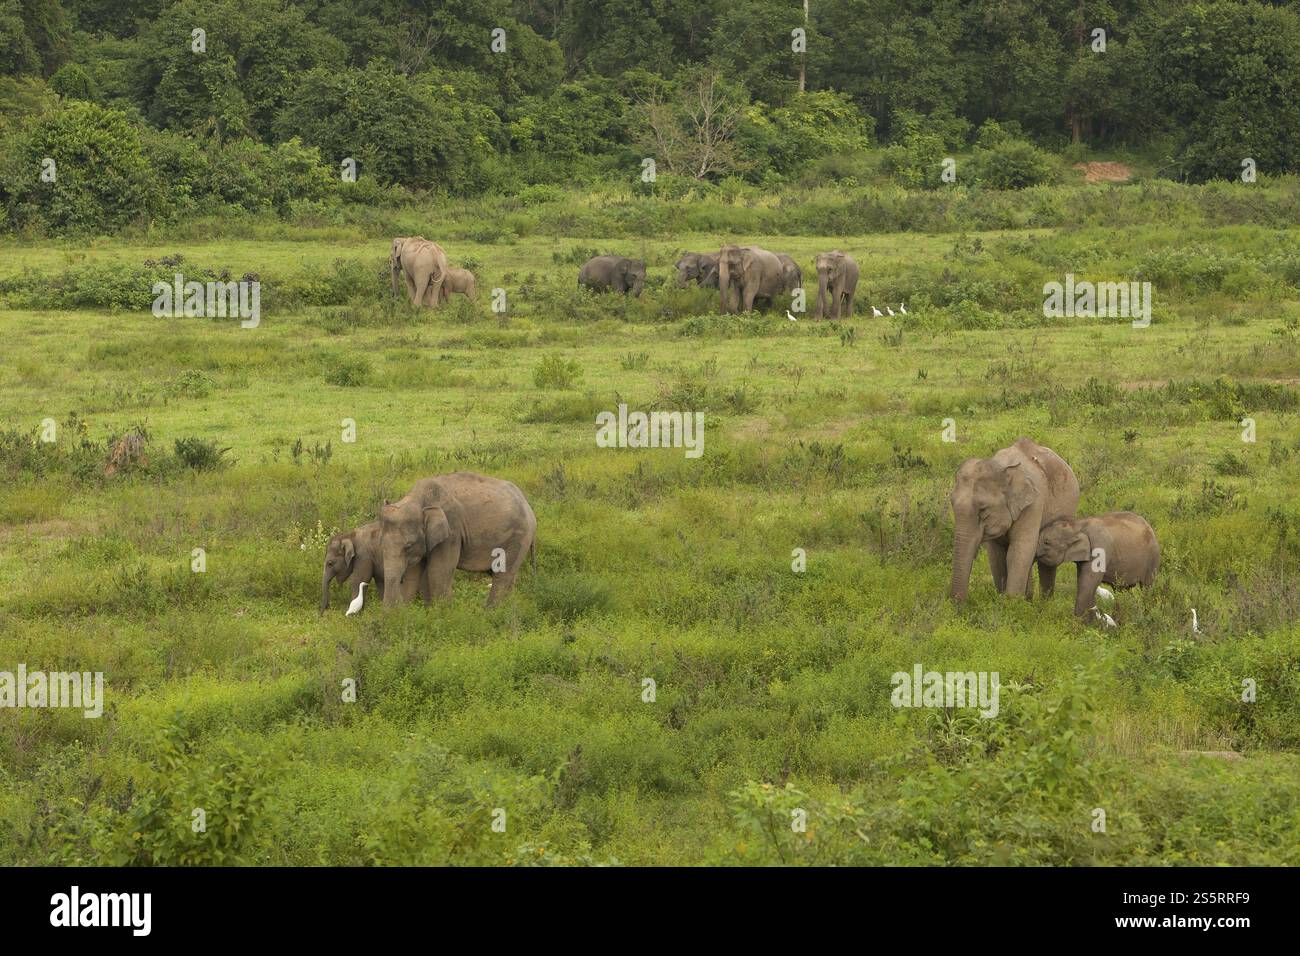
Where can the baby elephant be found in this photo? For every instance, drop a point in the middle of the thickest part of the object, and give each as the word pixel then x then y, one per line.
pixel 353 556
pixel 1117 548
pixel 462 281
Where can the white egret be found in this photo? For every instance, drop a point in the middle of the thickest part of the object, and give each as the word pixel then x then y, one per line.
pixel 355 606
pixel 876 312
pixel 902 308
pixel 1103 616
pixel 1196 627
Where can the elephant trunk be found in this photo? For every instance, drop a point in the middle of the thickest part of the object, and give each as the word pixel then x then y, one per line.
pixel 326 578
pixel 394 571
pixel 393 276
pixel 821 293
pixel 637 286
pixel 724 284
pixel 965 545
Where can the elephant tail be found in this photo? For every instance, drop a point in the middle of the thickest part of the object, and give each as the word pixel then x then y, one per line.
pixel 532 553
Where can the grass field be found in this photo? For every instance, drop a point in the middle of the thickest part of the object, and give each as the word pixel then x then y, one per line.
pixel 772 688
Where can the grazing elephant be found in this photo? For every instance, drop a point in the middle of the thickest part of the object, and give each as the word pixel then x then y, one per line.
pixel 423 265
pixel 456 521
pixel 354 557
pixel 791 274
pixel 1005 502
pixel 462 281
pixel 837 272
pixel 755 273
pixel 699 267
pixel 613 273
pixel 1117 548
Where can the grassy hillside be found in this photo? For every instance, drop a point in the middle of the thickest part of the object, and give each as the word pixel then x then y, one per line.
pixel 772 688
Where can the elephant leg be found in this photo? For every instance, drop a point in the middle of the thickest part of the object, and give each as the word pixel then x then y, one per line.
pixel 1046 578
pixel 1020 554
pixel 750 296
pixel 502 584
pixel 998 565
pixel 1085 598
pixel 848 305
pixel 410 288
pixel 440 568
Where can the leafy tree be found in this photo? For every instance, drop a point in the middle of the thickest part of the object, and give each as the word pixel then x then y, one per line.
pixel 1229 76
pixel 417 131
pixel 103 179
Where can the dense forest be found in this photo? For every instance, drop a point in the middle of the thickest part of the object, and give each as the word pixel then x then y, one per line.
pixel 152 109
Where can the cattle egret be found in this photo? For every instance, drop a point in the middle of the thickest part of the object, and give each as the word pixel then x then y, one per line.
pixel 355 606
pixel 889 310
pixel 1105 594
pixel 875 311
pixel 1103 616
pixel 902 308
pixel 1196 627
pixel 791 317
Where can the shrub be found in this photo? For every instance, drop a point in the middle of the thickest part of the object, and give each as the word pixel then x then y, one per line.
pixel 557 372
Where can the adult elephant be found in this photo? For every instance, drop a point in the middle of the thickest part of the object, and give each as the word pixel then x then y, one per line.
pixel 462 520
pixel 423 266
pixel 698 267
pixel 791 274
pixel 613 274
pixel 754 273
pixel 838 274
pixel 1004 502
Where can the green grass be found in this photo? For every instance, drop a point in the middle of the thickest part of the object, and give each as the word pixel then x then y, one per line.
pixel 772 688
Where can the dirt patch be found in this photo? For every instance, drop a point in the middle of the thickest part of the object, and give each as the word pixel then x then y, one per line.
pixel 1105 172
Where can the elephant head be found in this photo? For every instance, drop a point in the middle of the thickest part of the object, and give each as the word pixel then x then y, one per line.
pixel 1063 540
pixel 830 274
pixel 632 274
pixel 731 266
pixel 340 554
pixel 409 530
pixel 395 260
pixel 988 497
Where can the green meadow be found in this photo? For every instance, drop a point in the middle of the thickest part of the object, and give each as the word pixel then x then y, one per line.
pixel 531 733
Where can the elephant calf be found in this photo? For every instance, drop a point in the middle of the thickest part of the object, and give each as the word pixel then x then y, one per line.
pixel 613 274
pixel 1117 548
pixel 354 557
pixel 462 281
pixel 698 267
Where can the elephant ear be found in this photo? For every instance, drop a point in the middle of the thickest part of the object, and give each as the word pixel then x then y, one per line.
pixel 349 552
pixel 1079 549
pixel 1020 491
pixel 436 527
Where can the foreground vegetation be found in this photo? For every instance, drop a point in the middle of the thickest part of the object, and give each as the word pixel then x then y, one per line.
pixel 223 689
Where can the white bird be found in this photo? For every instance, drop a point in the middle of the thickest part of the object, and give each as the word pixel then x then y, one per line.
pixel 889 310
pixel 1103 616
pixel 875 311
pixel 1196 627
pixel 355 606
pixel 790 317
pixel 1105 593
pixel 902 308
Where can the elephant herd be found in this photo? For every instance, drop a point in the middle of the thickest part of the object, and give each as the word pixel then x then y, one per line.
pixel 744 276
pixel 463 520
pixel 1021 504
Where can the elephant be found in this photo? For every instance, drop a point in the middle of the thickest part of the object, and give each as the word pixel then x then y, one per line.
pixel 354 557
pixel 613 273
pixel 838 272
pixel 1005 502
pixel 1118 548
pixel 423 264
pixel 462 281
pixel 754 272
pixel 700 267
pixel 463 520
pixel 791 274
